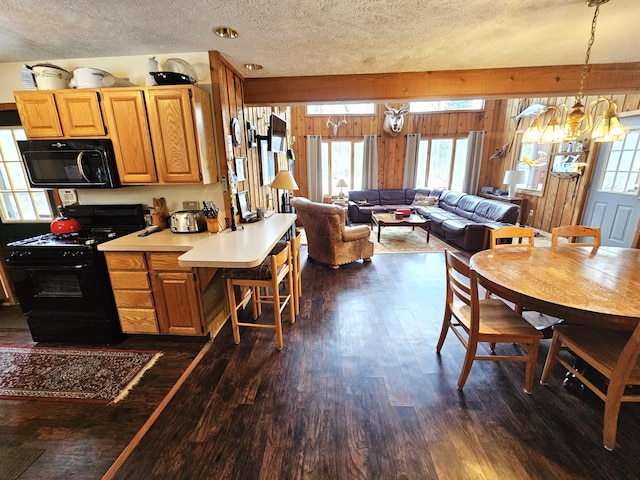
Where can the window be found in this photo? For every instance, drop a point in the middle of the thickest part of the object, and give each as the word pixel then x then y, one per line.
pixel 534 159
pixel 446 105
pixel 342 109
pixel 341 160
pixel 442 163
pixel 18 201
pixel 622 172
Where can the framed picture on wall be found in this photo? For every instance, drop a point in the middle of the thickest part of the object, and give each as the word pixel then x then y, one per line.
pixel 267 161
pixel 240 161
pixel 252 134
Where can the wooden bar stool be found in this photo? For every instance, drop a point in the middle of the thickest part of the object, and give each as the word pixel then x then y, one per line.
pixel 297 274
pixel 264 283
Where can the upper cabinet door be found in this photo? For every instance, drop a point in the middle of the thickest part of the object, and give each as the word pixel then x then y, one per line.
pixel 171 122
pixel 60 113
pixel 126 117
pixel 38 114
pixel 80 113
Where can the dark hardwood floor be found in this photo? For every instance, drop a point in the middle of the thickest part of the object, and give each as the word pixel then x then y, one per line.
pixel 357 392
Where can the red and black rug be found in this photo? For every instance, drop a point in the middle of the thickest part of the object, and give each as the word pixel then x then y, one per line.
pixel 71 374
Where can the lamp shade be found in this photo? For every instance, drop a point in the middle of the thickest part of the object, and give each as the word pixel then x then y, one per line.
pixel 341 183
pixel 284 181
pixel 608 128
pixel 513 178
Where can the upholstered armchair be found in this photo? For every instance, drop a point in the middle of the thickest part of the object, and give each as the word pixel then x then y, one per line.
pixel 329 241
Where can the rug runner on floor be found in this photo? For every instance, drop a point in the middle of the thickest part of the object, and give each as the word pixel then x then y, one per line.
pixel 71 374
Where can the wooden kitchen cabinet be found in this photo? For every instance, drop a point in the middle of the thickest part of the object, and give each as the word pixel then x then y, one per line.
pixel 132 290
pixel 61 113
pixel 160 135
pixel 126 115
pixel 156 295
pixel 181 126
pixel 175 288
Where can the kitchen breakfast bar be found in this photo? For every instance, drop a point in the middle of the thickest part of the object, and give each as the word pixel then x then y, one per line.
pixel 171 283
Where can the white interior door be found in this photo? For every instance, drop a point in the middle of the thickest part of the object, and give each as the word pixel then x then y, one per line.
pixel 613 202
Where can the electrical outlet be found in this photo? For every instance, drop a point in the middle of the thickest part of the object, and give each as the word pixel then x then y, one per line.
pixel 531 213
pixel 193 205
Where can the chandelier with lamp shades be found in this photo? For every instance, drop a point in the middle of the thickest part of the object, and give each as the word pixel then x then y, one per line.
pixel 578 120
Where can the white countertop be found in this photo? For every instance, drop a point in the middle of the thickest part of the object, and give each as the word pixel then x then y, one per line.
pixel 247 247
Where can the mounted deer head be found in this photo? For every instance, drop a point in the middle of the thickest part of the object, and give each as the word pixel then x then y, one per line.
pixel 336 125
pixel 394 119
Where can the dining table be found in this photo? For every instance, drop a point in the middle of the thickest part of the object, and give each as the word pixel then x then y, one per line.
pixel 584 285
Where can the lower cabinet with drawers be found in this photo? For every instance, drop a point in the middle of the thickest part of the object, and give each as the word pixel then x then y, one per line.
pixel 156 295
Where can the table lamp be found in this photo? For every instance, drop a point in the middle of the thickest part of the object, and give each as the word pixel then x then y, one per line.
pixel 514 178
pixel 341 183
pixel 284 181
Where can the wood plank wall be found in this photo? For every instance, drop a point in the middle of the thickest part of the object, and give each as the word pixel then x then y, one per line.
pixel 391 150
pixel 562 201
pixel 228 94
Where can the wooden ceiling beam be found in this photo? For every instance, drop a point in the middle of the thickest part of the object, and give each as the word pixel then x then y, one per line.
pixel 603 79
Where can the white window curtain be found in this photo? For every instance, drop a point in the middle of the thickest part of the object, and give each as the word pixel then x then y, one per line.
pixel 370 162
pixel 314 167
pixel 411 161
pixel 474 161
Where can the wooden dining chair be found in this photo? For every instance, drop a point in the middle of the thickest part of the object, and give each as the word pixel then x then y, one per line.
pixel 263 283
pixel 499 237
pixel 491 320
pixel 614 354
pixel 578 236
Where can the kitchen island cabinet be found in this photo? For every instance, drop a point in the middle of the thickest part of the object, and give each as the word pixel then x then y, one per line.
pixel 132 291
pixel 61 113
pixel 156 295
pixel 183 273
pixel 175 290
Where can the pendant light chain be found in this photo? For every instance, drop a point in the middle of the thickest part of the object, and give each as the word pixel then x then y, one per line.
pixel 585 68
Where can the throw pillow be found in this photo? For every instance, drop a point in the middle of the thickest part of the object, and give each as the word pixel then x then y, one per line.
pixel 422 199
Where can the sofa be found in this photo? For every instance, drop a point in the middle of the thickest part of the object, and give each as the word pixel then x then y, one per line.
pixel 329 241
pixel 459 218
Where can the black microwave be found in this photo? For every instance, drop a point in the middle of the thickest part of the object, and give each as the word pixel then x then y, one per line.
pixel 78 163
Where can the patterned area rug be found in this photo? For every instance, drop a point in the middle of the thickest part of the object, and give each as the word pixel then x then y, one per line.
pixel 71 375
pixel 402 240
pixel 406 240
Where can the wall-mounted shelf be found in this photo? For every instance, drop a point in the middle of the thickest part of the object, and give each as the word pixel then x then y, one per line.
pixel 567 164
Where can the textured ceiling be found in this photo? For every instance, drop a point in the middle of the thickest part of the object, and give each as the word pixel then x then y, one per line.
pixel 326 37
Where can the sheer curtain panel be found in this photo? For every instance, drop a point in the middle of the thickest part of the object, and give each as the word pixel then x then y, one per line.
pixel 474 160
pixel 370 162
pixel 314 167
pixel 411 161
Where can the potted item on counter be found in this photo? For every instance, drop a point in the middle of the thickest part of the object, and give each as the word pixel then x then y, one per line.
pixel 211 217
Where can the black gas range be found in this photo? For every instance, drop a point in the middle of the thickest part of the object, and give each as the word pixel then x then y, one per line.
pixel 62 281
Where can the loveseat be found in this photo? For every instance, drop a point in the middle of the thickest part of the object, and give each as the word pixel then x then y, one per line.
pixel 459 218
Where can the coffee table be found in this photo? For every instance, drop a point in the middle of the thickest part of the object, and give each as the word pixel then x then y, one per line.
pixel 390 220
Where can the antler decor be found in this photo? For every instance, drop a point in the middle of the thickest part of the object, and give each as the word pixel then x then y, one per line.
pixel 336 125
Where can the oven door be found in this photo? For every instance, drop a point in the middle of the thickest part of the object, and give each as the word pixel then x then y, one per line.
pixel 79 290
